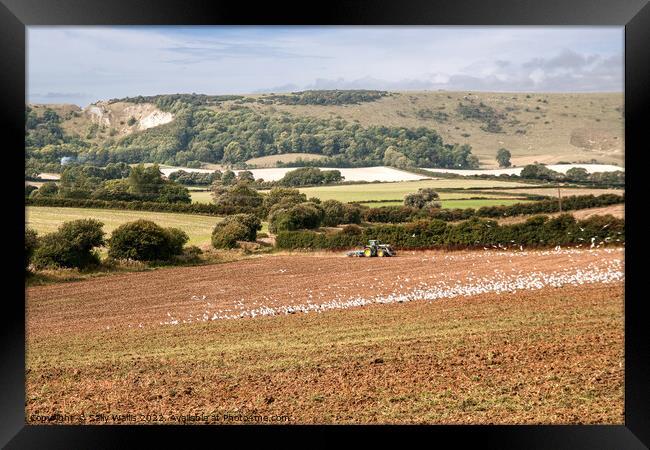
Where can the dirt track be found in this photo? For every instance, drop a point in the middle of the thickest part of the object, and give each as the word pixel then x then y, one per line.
pixel 276 285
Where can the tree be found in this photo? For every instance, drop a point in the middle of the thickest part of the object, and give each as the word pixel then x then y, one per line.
pixel 145 181
pixel 174 193
pixel 283 195
pixel 306 215
pixel 29 188
pixel 539 172
pixel 114 190
pixel 577 174
pixel 394 158
pixel 238 197
pixel 72 245
pixel 423 198
pixel 245 176
pixel 334 212
pixel 144 240
pixel 306 176
pixel 238 227
pixel 228 235
pixel 233 153
pixel 228 178
pixel 49 189
pixel 503 157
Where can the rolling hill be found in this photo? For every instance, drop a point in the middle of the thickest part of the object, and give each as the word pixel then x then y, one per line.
pixel 349 129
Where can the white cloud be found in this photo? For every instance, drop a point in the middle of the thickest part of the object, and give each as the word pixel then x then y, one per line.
pixel 103 62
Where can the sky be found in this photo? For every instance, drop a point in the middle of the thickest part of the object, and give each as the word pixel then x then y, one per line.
pixel 81 65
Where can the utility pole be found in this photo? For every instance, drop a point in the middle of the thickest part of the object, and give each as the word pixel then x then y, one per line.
pixel 559 196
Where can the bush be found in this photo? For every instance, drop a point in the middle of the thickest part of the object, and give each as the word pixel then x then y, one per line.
pixel 29 188
pixel 303 215
pixel 177 239
pixel 174 193
pixel 189 254
pixel 239 197
pixel 424 197
pixel 239 227
pixel 144 240
pixel 308 176
pixel 352 213
pixel 72 245
pixel 540 172
pixel 334 212
pixel 49 189
pixel 283 195
pixel 31 242
pixel 227 235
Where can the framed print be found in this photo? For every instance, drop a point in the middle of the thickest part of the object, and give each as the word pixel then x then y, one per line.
pixel 408 213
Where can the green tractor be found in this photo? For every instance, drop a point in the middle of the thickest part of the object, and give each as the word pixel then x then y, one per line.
pixel 374 248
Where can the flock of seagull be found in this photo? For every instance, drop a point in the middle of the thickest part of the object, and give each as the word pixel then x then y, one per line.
pixel 602 270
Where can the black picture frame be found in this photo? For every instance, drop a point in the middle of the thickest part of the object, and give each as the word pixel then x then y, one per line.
pixel 634 15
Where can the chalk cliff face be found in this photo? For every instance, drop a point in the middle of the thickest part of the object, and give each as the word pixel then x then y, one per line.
pixel 118 115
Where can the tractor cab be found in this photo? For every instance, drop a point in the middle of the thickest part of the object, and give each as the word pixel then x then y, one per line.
pixel 374 248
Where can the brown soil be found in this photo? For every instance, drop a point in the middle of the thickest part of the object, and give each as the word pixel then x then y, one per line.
pixel 553 355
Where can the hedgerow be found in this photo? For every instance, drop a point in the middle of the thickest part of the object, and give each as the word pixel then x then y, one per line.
pixel 207 209
pixel 538 231
pixel 400 214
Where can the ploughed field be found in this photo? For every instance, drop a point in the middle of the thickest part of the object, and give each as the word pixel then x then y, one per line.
pixel 426 337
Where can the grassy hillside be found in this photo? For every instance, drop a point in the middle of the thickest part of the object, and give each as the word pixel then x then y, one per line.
pixel 272 160
pixel 537 127
pixel 548 128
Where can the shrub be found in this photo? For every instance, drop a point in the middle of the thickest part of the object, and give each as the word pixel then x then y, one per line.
pixel 283 195
pixel 334 212
pixel 29 188
pixel 239 197
pixel 424 197
pixel 189 254
pixel 239 227
pixel 303 215
pixel 177 239
pixel 49 189
pixel 144 240
pixel 352 213
pixel 174 193
pixel 31 242
pixel 227 235
pixel 306 176
pixel 72 245
pixel 540 172
pixel 352 229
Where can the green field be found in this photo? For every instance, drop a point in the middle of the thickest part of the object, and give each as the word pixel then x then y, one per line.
pixel 389 191
pixel 47 219
pixel 271 160
pixel 201 196
pixel 394 191
pixel 470 203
